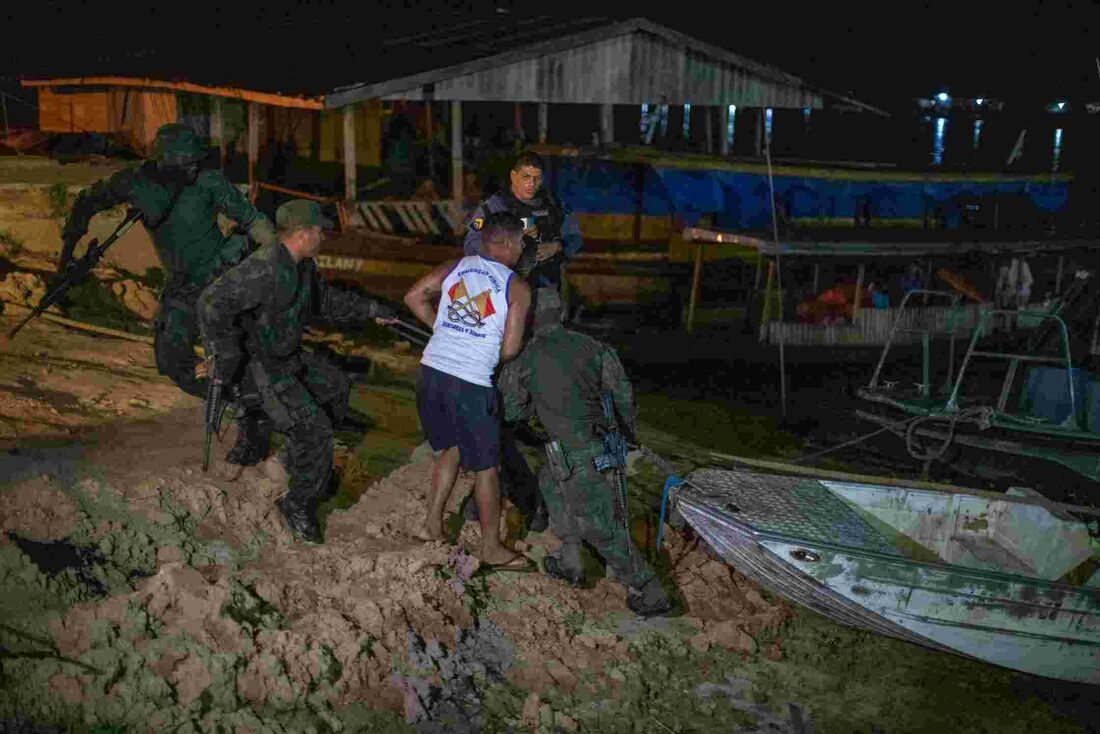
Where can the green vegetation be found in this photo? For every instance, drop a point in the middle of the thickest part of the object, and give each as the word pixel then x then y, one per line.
pixel 92 301
pixel 60 201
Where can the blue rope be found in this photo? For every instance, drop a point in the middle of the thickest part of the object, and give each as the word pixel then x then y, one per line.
pixel 670 483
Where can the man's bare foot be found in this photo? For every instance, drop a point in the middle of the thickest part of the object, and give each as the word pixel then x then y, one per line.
pixel 433 528
pixel 498 555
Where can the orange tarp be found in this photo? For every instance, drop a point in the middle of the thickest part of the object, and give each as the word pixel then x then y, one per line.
pixel 72 113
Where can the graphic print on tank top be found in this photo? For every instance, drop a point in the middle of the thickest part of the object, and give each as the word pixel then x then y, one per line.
pixel 469 310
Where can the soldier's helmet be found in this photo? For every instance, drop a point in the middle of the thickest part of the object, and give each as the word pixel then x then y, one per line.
pixel 177 145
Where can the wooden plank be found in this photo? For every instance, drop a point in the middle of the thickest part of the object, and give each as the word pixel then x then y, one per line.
pixel 426 213
pixel 401 214
pixel 368 216
pixel 380 212
pixel 349 153
pixel 456 150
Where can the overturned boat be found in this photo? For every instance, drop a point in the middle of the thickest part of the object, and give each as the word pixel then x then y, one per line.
pixel 1011 579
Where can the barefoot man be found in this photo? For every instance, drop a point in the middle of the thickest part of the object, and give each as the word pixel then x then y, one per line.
pixel 479 324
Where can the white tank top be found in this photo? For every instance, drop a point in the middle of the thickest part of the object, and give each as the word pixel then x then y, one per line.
pixel 469 324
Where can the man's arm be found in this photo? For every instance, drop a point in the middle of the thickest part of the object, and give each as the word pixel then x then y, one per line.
pixel 341 304
pixel 233 204
pixel 613 378
pixel 239 290
pixel 519 300
pixel 424 291
pixel 472 244
pixel 100 196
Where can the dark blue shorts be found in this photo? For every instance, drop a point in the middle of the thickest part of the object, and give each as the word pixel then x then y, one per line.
pixel 454 412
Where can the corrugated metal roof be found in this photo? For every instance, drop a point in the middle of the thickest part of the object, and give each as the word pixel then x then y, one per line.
pixel 588 60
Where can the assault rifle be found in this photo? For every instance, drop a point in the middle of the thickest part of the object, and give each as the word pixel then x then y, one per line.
pixel 614 456
pixel 212 416
pixel 77 270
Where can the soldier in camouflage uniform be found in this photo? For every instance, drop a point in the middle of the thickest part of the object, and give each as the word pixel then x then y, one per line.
pixel 559 376
pixel 179 206
pixel 252 321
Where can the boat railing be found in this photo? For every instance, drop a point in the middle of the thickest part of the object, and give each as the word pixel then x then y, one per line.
pixel 908 322
pixel 1015 358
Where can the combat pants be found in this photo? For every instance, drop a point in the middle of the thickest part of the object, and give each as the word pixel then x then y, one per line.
pixel 177 331
pixel 581 509
pixel 517 482
pixel 303 396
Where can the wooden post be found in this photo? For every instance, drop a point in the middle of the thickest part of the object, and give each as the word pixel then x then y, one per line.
pixel 253 144
pixel 217 130
pixel 349 153
pixel 607 123
pixel 708 113
pixel 759 136
pixel 723 139
pixel 428 104
pixel 1058 275
pixel 456 150
pixel 517 120
pixel 697 272
pixel 817 277
pixel 859 291
pixel 544 120
pixel 765 310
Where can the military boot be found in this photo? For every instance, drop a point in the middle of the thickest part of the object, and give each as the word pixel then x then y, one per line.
pixel 648 601
pixel 555 569
pixel 253 441
pixel 539 519
pixel 300 518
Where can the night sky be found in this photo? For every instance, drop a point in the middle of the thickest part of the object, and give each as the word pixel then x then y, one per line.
pixel 883 53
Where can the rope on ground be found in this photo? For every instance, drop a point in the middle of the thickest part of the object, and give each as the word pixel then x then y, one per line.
pixel 855 441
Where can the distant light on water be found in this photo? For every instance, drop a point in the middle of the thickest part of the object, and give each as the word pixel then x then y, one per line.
pixel 687 120
pixel 768 124
pixel 977 132
pixel 1057 149
pixel 937 140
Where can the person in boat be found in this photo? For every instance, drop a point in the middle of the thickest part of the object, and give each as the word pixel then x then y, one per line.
pixel 252 319
pixel 559 377
pixel 479 323
pixel 179 205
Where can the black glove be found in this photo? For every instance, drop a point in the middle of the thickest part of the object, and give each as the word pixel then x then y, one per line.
pixel 383 311
pixel 225 364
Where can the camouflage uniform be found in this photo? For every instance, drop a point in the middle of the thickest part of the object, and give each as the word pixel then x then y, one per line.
pixel 559 376
pixel 270 298
pixel 181 216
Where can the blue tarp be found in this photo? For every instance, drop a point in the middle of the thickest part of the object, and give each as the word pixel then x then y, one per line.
pixel 739 200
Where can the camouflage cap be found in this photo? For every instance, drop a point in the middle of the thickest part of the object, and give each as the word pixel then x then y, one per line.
pixel 301 214
pixel 177 144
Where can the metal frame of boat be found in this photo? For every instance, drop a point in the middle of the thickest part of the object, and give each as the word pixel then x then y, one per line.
pixel 801 538
pixel 959 417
